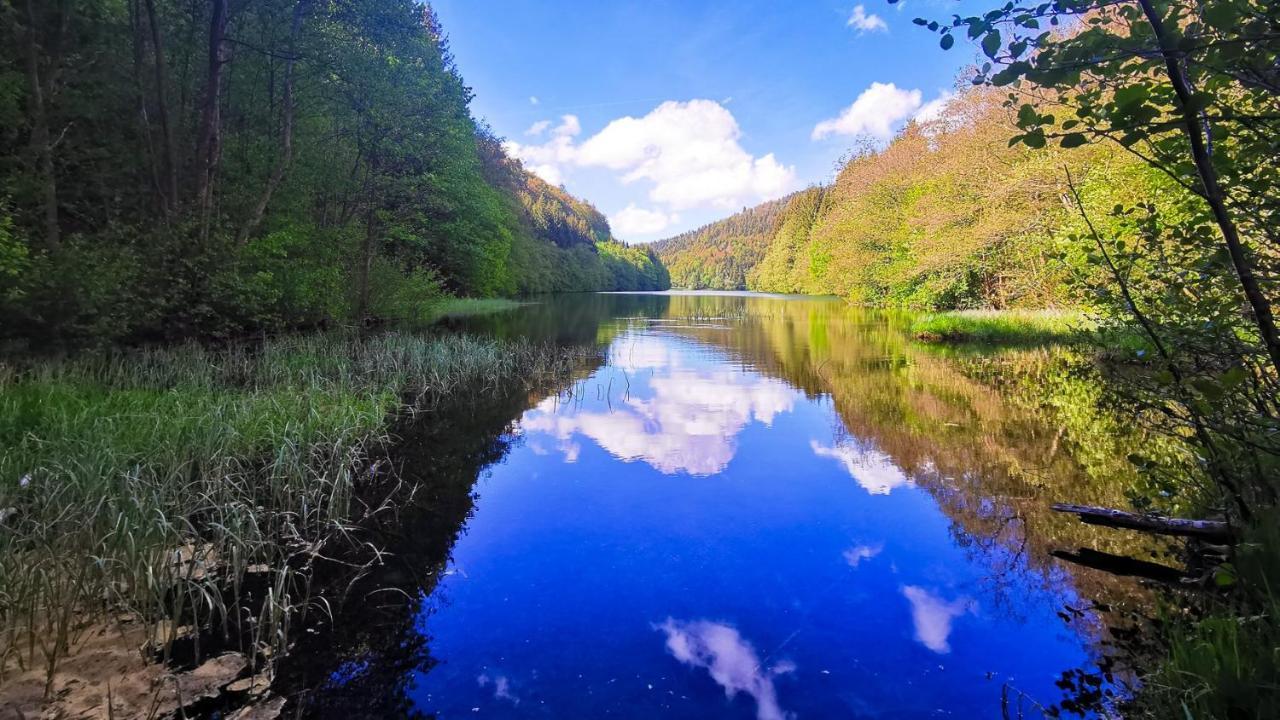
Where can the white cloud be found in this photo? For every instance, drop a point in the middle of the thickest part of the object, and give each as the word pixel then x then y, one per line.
pixel 855 555
pixel 688 152
pixel 633 220
pixel 691 154
pixel 876 112
pixel 873 470
pixel 730 660
pixel 933 616
pixel 533 100
pixel 548 159
pixel 865 23
pixel 935 109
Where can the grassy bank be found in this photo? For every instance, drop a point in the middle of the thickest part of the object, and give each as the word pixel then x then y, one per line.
pixel 467 307
pixel 1002 327
pixel 149 483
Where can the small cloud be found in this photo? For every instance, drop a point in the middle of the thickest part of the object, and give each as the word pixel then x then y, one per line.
pixel 538 128
pixel 934 109
pixel 533 100
pixel 730 660
pixel 569 126
pixel 856 555
pixel 633 220
pixel 872 469
pixel 876 112
pixel 501 687
pixel 933 616
pixel 865 23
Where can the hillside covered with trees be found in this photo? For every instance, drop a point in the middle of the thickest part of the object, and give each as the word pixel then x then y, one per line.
pixel 946 216
pixel 200 169
pixel 721 254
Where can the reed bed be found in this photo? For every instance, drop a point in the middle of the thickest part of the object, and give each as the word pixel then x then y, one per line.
pixel 150 484
pixel 1003 327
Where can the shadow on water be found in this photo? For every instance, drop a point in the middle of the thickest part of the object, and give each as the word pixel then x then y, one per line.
pixel 990 441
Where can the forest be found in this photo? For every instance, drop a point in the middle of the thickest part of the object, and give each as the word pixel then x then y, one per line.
pixel 947 216
pixel 175 170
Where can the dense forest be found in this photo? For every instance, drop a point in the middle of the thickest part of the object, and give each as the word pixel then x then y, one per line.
pixel 174 169
pixel 721 254
pixel 948 215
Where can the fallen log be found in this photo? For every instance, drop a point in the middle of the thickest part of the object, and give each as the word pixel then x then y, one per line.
pixel 1215 531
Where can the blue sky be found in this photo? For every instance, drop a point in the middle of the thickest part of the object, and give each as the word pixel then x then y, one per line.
pixel 668 114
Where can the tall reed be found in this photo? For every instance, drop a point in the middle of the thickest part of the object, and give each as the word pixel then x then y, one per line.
pixel 150 482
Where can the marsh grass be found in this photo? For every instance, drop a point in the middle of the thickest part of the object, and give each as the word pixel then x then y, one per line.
pixel 1003 327
pixel 1223 662
pixel 151 483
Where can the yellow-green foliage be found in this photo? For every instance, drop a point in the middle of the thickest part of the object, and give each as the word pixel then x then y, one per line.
pixel 947 216
pixel 719 256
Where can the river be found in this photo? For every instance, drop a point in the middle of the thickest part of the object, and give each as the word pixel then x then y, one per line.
pixel 748 507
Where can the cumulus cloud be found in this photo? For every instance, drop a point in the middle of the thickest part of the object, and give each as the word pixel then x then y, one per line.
pixel 865 23
pixel 873 470
pixel 877 112
pixel 533 100
pixel 933 616
pixel 730 660
pixel 633 220
pixel 689 154
pixel 538 128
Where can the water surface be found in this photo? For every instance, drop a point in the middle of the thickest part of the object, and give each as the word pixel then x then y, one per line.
pixel 752 507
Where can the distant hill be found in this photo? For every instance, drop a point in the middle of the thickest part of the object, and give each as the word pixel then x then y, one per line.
pixel 720 255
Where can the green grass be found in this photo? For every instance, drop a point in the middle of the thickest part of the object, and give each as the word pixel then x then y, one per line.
pixel 1223 662
pixel 111 464
pixel 452 307
pixel 1002 327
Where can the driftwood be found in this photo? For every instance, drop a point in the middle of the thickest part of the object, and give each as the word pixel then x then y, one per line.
pixel 1124 566
pixel 1215 531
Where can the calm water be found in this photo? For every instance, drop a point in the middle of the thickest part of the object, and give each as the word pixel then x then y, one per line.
pixel 750 508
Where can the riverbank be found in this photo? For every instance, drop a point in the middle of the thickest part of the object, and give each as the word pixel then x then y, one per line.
pixel 191 487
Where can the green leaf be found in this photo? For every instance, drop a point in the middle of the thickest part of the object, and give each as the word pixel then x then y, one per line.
pixel 947 41
pixel 1224 575
pixel 1071 140
pixel 991 43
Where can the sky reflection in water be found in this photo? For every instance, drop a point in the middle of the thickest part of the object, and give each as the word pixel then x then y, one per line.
pixel 689 537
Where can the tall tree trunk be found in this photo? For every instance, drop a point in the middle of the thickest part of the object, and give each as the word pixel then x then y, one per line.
pixel 41 144
pixel 1213 192
pixel 140 93
pixel 369 246
pixel 286 131
pixel 170 164
pixel 209 138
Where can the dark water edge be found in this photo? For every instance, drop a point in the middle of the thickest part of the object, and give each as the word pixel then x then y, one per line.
pixel 382 654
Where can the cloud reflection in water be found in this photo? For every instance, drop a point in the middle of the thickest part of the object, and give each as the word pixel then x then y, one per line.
pixel 682 417
pixel 874 470
pixel 933 616
pixel 729 659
